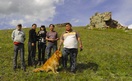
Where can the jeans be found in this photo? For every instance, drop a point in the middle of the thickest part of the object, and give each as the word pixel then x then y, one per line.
pixel 73 56
pixel 41 51
pixel 18 48
pixel 49 47
pixel 31 54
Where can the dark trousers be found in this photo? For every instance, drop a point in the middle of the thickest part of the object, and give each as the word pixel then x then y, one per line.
pixel 73 56
pixel 49 47
pixel 31 53
pixel 18 48
pixel 41 51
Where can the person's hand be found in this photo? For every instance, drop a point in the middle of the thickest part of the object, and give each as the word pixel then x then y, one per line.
pixel 55 39
pixel 32 44
pixel 81 48
pixel 59 48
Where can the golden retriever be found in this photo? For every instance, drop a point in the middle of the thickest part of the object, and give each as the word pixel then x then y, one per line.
pixel 51 64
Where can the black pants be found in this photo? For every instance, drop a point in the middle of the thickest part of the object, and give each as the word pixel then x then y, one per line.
pixel 73 57
pixel 31 53
pixel 41 51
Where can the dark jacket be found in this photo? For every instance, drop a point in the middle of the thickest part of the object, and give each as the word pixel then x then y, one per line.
pixel 42 36
pixel 32 36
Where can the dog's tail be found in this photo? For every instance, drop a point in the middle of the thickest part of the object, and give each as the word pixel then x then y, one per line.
pixel 38 69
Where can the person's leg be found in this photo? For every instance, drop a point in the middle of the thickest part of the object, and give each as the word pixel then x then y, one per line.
pixel 73 57
pixel 39 53
pixel 64 57
pixel 22 57
pixel 29 54
pixel 43 52
pixel 48 50
pixel 15 57
pixel 33 54
pixel 54 47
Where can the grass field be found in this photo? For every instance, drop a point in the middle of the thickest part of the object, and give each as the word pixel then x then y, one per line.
pixel 106 56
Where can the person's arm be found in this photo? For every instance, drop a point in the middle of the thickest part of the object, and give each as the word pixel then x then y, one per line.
pixel 24 36
pixel 13 35
pixel 49 39
pixel 31 37
pixel 60 43
pixel 80 42
pixel 56 37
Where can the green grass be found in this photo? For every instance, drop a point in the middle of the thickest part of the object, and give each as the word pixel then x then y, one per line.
pixel 106 56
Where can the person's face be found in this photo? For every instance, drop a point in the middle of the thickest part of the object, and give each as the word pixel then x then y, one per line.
pixel 34 26
pixel 51 27
pixel 19 27
pixel 42 28
pixel 68 27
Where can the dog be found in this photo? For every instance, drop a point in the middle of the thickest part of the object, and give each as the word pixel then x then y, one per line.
pixel 51 64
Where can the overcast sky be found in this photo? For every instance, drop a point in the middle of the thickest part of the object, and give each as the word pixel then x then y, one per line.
pixel 45 12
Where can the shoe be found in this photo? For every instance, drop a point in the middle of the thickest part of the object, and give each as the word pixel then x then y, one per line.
pixel 64 70
pixel 42 62
pixel 39 63
pixel 73 72
pixel 14 68
pixel 35 64
pixel 24 70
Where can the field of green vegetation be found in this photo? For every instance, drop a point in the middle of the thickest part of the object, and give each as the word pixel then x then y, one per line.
pixel 106 56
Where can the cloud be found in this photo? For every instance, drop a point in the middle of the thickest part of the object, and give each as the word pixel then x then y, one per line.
pixel 75 20
pixel 15 22
pixel 28 11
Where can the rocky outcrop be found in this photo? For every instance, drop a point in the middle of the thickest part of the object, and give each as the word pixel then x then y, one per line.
pixel 103 20
pixel 61 24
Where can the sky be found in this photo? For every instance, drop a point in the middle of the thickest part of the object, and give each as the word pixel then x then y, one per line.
pixel 45 12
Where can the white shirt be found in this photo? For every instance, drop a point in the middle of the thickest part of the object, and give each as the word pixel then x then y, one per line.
pixel 70 40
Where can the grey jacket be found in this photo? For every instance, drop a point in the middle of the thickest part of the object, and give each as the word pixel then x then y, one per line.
pixel 18 36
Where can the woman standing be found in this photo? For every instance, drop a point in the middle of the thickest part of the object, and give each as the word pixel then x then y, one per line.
pixel 41 44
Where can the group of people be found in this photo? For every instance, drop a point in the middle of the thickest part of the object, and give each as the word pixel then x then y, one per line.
pixel 47 42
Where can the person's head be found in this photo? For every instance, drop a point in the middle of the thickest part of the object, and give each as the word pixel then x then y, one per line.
pixel 68 27
pixel 34 26
pixel 43 28
pixel 51 26
pixel 19 26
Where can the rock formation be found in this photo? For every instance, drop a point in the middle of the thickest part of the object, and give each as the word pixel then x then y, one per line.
pixel 103 20
pixel 61 24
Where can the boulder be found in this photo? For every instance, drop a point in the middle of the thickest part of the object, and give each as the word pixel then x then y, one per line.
pixel 103 20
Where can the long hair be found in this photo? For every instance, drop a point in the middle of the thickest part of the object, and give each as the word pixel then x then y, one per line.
pixel 43 26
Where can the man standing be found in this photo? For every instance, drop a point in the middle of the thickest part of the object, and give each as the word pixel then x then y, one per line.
pixel 32 46
pixel 70 41
pixel 18 37
pixel 51 37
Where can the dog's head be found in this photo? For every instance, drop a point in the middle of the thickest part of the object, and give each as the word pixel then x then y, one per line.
pixel 58 53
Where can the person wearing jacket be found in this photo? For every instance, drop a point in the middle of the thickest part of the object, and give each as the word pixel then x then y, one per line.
pixel 41 44
pixel 32 46
pixel 18 37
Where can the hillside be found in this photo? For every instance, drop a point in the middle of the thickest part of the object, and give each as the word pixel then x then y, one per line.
pixel 107 56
